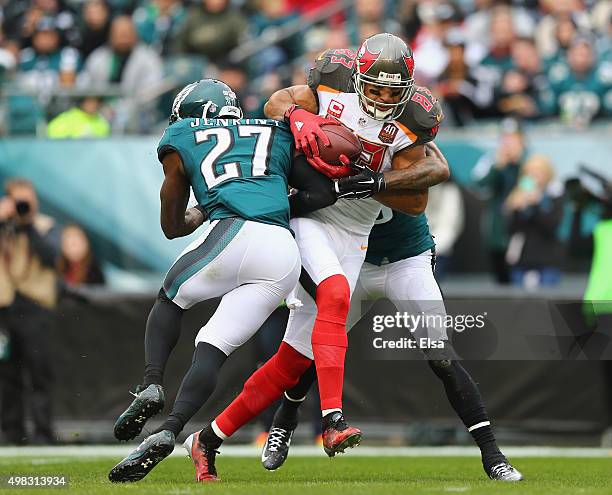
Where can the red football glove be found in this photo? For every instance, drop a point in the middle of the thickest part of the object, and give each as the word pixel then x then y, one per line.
pixel 333 171
pixel 306 128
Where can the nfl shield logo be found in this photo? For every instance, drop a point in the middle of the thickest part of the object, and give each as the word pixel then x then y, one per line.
pixel 387 133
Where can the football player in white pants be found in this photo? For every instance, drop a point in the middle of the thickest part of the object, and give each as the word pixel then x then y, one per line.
pixel 399 266
pixel 373 94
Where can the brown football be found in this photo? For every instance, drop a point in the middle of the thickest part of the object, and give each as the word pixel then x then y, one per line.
pixel 342 142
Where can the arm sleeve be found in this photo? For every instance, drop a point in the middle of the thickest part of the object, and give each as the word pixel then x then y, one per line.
pixel 314 190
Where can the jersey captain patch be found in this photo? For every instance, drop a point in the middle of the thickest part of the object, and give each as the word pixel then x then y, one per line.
pixel 335 109
pixel 388 132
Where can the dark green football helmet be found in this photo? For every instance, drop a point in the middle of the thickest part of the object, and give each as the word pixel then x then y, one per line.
pixel 206 98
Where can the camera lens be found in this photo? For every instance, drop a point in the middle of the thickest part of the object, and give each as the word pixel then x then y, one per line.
pixel 22 208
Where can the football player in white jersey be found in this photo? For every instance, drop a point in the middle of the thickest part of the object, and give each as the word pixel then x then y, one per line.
pixel 399 266
pixel 373 94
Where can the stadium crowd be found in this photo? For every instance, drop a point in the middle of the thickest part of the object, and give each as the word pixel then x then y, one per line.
pixel 484 58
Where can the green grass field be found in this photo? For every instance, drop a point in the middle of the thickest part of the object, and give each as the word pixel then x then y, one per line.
pixel 357 475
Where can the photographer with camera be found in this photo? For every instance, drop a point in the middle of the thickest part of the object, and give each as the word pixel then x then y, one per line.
pixel 29 248
pixel 534 211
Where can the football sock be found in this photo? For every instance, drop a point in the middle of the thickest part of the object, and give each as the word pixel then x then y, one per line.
pixel 329 339
pixel 198 385
pixel 280 372
pixel 208 437
pixel 161 335
pixel 327 412
pixel 287 414
pixel 464 397
pixel 302 387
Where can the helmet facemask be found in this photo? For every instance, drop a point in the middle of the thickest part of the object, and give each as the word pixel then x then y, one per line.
pixel 376 109
pixel 384 60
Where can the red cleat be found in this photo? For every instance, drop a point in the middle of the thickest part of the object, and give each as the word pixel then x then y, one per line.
pixel 338 435
pixel 203 458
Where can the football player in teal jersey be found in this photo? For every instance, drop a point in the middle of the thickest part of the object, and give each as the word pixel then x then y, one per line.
pixel 239 170
pixel 399 266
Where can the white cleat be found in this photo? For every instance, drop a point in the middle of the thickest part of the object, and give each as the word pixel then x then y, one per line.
pixel 503 471
pixel 188 443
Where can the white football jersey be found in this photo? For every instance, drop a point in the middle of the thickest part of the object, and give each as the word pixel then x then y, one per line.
pixel 380 141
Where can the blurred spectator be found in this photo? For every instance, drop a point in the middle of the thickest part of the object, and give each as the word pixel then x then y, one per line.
pixel 604 42
pixel 45 65
pixel 601 17
pixel 430 53
pixel 318 39
pixel 122 7
pixel 236 78
pixel 309 7
pixel 21 20
pixel 368 15
pixel 9 55
pixel 82 121
pixel 28 295
pixel 497 174
pixel 502 35
pixel 553 30
pixel 95 26
pixel 123 60
pixel 535 209
pixel 580 88
pixel 77 264
pixel 270 17
pixel 158 23
pixel 213 29
pixel 524 84
pixel 135 67
pixel 409 19
pixel 564 33
pixel 478 31
pixel 446 214
pixel 463 94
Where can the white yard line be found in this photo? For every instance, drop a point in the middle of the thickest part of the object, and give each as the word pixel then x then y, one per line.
pixel 117 451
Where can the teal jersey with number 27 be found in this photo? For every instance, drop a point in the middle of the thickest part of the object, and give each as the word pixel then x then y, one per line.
pixel 237 168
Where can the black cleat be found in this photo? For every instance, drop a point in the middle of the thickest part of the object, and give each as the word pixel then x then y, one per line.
pixel 147 403
pixel 338 435
pixel 276 448
pixel 504 471
pixel 141 461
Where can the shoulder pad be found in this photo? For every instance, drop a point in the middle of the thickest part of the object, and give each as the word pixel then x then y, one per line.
pixel 422 115
pixel 333 70
pixel 168 143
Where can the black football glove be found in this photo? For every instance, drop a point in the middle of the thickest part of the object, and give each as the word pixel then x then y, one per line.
pixel 364 185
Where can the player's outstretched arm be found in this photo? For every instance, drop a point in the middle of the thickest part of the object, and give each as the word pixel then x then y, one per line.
pixel 176 220
pixel 280 101
pixel 420 167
